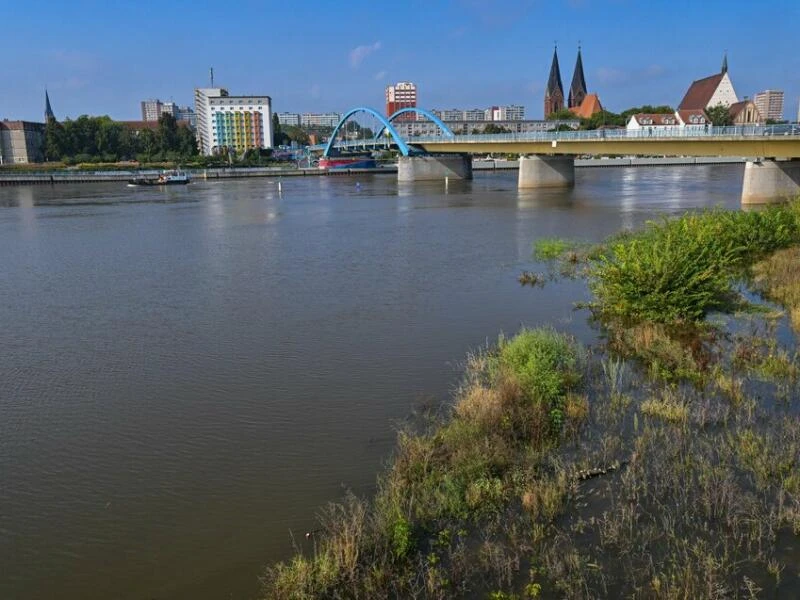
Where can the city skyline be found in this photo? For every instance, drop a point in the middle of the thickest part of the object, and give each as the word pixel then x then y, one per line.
pixel 318 58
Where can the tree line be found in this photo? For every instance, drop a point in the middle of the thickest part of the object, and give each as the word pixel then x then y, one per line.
pixel 719 115
pixel 96 139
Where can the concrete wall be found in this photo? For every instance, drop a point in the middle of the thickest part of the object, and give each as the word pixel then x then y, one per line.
pixel 770 181
pixel 434 168
pixel 546 171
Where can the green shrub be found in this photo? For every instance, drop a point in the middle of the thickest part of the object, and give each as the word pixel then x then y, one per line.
pixel 550 248
pixel 544 363
pixel 682 269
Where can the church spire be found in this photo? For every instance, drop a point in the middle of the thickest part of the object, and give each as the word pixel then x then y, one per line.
pixel 554 95
pixel 577 91
pixel 725 63
pixel 48 110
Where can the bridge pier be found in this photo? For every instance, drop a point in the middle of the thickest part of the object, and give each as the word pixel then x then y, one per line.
pixel 541 171
pixel 770 181
pixel 434 168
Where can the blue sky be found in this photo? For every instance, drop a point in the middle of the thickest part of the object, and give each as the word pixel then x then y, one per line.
pixel 104 57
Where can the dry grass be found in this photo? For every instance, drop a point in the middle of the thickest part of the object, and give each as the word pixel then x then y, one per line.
pixel 777 277
pixel 667 408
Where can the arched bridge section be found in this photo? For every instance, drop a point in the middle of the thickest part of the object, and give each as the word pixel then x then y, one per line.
pixel 420 111
pixel 401 144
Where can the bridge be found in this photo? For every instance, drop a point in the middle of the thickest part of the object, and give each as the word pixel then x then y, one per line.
pixel 547 158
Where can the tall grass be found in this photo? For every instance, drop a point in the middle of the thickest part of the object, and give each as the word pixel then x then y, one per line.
pixel 468 469
pixel 551 248
pixel 680 270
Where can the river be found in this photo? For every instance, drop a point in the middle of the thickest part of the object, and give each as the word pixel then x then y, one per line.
pixel 188 375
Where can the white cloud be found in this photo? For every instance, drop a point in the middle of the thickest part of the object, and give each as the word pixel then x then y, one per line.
pixel 380 75
pixel 359 53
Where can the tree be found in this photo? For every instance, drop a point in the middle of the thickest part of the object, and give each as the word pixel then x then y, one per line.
pixel 54 140
pixel 603 118
pixel 295 134
pixel 564 114
pixel 279 137
pixel 167 133
pixel 187 142
pixel 719 115
pixel 647 109
pixel 492 128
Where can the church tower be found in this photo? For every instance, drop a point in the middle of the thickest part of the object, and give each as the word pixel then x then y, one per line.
pixel 48 110
pixel 577 91
pixel 554 95
pixel 724 63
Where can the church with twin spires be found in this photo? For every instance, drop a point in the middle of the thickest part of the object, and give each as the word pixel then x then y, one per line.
pixel 578 101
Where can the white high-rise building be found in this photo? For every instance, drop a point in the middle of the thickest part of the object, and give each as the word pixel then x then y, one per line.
pixel 770 104
pixel 320 119
pixel 285 118
pixel 226 122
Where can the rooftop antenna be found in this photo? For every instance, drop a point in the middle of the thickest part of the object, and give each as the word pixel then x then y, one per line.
pixel 211 70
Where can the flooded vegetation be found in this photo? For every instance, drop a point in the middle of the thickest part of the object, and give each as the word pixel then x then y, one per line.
pixel 662 461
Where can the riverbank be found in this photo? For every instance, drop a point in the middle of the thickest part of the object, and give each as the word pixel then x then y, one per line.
pixel 663 461
pixel 87 176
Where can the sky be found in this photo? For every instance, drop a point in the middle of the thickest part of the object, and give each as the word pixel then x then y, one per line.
pixel 101 58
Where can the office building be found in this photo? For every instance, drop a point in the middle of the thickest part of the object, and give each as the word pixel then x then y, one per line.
pixel 231 123
pixel 320 119
pixel 410 129
pixel 21 142
pixel 153 109
pixel 512 112
pixel 291 119
pixel 403 94
pixel 770 104
pixel 186 114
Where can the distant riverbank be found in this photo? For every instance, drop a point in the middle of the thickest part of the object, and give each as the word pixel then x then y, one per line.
pixel 87 176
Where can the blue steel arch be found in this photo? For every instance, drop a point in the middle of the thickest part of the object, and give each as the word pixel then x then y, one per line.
pixel 401 145
pixel 420 111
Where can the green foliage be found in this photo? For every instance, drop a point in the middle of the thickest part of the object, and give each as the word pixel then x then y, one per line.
pixel 401 539
pixel 545 364
pixel 681 270
pixel 492 128
pixel 550 248
pixel 564 114
pixel 296 134
pixel 719 115
pixel 96 139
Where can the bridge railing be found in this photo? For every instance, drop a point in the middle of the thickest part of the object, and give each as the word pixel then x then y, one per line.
pixel 739 131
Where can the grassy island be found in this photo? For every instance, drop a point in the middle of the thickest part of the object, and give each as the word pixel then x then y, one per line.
pixel 662 462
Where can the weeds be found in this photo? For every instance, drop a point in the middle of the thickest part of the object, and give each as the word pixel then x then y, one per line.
pixel 666 490
pixel 551 248
pixel 680 270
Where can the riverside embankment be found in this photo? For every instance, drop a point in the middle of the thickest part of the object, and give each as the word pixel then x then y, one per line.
pixel 87 176
pixel 660 461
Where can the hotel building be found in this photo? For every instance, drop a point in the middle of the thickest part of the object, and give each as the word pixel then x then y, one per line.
pixel 401 95
pixel 770 104
pixel 226 122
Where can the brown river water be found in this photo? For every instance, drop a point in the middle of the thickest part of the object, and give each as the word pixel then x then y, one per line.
pixel 188 375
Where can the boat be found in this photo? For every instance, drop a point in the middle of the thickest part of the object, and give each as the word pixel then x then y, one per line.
pixel 174 177
pixel 353 160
